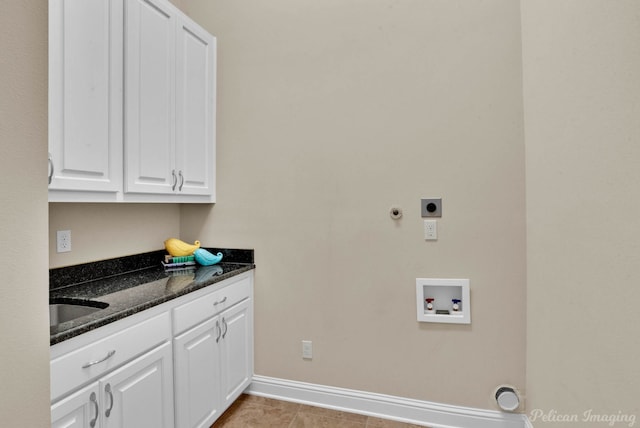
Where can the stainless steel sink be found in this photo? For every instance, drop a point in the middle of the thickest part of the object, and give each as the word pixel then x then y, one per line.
pixel 68 310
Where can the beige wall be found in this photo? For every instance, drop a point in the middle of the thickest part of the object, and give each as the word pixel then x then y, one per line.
pixel 331 112
pixel 24 353
pixel 582 104
pixel 103 231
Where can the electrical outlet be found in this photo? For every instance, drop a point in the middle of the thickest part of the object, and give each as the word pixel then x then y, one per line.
pixel 63 241
pixel 307 349
pixel 430 230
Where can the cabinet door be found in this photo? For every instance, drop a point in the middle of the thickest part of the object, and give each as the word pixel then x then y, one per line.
pixel 197 375
pixel 85 95
pixel 237 350
pixel 79 410
pixel 149 99
pixel 140 394
pixel 195 108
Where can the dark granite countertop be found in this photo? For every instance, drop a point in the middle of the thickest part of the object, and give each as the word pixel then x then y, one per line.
pixel 132 284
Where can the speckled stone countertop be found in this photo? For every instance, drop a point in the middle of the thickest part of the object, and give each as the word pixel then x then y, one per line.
pixel 132 284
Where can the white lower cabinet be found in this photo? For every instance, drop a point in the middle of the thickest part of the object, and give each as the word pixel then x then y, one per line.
pixel 236 350
pixel 117 376
pixel 134 373
pixel 197 375
pixel 214 359
pixel 139 394
pixel 79 410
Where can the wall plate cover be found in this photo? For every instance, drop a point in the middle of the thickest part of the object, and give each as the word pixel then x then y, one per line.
pixel 307 349
pixel 430 230
pixel 431 207
pixel 63 241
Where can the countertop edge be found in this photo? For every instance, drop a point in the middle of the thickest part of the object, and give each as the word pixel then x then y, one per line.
pixel 113 317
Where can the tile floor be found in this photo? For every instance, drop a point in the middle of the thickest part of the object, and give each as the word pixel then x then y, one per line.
pixel 250 411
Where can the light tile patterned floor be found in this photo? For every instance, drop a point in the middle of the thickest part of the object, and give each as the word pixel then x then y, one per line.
pixel 250 411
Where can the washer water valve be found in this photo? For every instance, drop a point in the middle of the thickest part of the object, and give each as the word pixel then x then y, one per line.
pixel 429 301
pixel 456 305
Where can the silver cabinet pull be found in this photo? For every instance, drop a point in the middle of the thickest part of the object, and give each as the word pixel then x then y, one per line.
pixel 94 400
pixel 181 180
pixel 93 363
pixel 107 389
pixel 220 301
pixel 175 180
pixel 219 331
pixel 51 168
pixel 226 327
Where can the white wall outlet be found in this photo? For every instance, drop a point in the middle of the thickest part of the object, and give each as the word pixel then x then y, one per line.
pixel 430 230
pixel 307 349
pixel 63 241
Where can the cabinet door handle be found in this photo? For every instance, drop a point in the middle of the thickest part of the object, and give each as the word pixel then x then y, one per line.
pixel 93 363
pixel 220 301
pixel 51 168
pixel 94 400
pixel 181 180
pixel 226 327
pixel 175 180
pixel 219 331
pixel 107 389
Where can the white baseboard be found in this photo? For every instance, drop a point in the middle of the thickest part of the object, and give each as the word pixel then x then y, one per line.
pixel 400 409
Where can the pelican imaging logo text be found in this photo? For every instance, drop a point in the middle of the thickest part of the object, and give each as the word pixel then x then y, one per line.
pixel 588 416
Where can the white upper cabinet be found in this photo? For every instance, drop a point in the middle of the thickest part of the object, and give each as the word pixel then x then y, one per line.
pixel 150 97
pixel 132 103
pixel 169 136
pixel 85 97
pixel 195 108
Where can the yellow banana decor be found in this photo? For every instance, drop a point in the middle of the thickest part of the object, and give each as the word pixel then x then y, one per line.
pixel 178 248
